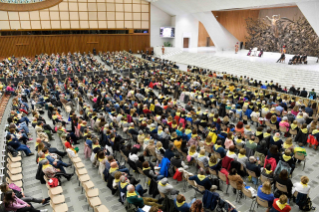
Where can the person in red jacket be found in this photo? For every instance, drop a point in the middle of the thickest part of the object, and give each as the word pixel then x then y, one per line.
pixel 281 204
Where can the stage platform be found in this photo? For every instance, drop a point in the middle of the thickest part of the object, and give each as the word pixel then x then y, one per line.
pixel 261 69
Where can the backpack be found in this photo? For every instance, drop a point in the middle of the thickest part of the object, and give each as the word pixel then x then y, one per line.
pixel 307 205
pixel 12 151
pixel 215 182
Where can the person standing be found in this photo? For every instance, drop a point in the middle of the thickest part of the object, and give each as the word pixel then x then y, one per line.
pixel 236 48
pixel 163 50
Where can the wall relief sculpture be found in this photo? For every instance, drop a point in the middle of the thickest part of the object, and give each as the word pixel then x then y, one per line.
pixel 270 34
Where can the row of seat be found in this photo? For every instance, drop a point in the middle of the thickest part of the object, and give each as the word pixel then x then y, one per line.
pixel 88 187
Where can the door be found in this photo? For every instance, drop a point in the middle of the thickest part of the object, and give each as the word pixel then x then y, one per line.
pixel 208 41
pixel 186 43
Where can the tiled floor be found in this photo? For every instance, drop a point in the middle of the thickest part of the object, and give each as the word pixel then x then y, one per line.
pixel 77 201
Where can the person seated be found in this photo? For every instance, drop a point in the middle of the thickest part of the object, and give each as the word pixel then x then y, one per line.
pixel 192 153
pixel 229 140
pixel 281 204
pixel 214 163
pixel 131 180
pixel 301 149
pixel 135 198
pixel 233 176
pixel 165 188
pixel 181 205
pixel 115 167
pixel 155 209
pixel 303 190
pixel 273 153
pixel 267 172
pixel 15 144
pixel 51 172
pixel 132 130
pixel 169 153
pixel 54 160
pixel 177 162
pixel 219 148
pixel 286 157
pixel 201 179
pixel 231 152
pixel 283 179
pixel 251 145
pixel 13 203
pixel 302 135
pixel 264 192
pixel 275 140
pixel 148 170
pixel 202 157
pixel 288 144
pixel 197 206
pixel 241 157
pixel 251 166
pixel 4 187
pixel 39 145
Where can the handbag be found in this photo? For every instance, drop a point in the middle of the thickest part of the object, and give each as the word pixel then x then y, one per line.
pixel 14 187
pixel 53 182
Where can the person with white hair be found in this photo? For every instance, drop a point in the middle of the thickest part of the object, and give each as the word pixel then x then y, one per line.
pixel 137 199
pixel 251 166
pixel 165 188
pixel 276 140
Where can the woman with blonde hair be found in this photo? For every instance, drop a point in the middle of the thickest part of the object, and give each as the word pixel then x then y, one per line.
pixel 192 153
pixel 288 144
pixel 273 121
pixel 302 186
pixel 295 110
pixel 264 192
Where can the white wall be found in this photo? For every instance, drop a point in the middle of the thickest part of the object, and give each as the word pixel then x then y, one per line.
pixel 159 19
pixel 222 38
pixel 310 11
pixel 186 26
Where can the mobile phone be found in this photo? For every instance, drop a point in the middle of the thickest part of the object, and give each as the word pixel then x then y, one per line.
pixel 257 158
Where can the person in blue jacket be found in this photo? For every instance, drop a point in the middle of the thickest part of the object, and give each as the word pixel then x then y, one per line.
pixel 264 192
pixel 201 179
pixel 181 204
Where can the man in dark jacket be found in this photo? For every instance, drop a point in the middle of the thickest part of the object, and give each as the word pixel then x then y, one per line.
pixel 251 166
pixel 304 93
pixel 169 152
pixel 201 179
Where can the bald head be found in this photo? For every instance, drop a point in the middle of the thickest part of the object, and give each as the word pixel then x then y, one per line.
pixel 38 140
pixel 122 179
pixel 114 164
pixel 130 188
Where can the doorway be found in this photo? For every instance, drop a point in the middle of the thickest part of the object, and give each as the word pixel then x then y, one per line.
pixel 186 43
pixel 208 41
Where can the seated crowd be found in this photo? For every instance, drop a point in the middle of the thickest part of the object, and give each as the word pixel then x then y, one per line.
pixel 149 120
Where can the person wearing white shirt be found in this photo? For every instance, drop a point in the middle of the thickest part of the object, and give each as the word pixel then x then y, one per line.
pixel 302 186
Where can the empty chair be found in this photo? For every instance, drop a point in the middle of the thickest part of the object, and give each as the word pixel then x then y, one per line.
pixel 59 208
pixel 56 199
pixel 101 208
pixel 90 192
pixel 94 202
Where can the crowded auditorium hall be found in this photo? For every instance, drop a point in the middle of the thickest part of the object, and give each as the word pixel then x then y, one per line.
pixel 159 105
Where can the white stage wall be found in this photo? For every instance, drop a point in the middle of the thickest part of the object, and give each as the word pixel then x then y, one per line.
pixel 159 18
pixel 310 10
pixel 222 38
pixel 186 26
